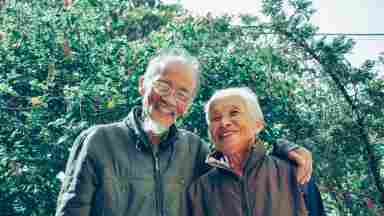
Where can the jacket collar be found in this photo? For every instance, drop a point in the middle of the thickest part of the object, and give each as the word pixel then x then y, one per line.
pixel 255 157
pixel 134 122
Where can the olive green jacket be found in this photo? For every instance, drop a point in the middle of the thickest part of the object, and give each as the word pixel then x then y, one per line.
pixel 113 170
pixel 268 187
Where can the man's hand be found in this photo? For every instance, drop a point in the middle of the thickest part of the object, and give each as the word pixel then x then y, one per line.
pixel 303 158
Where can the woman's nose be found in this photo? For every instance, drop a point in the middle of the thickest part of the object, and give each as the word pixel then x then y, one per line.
pixel 225 121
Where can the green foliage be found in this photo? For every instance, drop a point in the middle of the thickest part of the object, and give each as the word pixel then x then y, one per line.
pixel 62 71
pixel 344 110
pixel 65 68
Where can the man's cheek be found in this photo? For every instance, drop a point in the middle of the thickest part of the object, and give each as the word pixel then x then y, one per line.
pixel 181 108
pixel 154 98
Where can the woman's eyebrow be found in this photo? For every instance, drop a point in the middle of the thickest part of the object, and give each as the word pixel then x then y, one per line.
pixel 215 112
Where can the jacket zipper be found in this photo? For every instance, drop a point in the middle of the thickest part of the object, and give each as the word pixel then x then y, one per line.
pixel 244 197
pixel 159 195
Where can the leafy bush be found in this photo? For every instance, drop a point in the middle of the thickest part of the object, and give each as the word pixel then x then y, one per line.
pixel 69 65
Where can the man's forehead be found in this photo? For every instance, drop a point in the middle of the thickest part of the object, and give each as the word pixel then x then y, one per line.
pixel 181 76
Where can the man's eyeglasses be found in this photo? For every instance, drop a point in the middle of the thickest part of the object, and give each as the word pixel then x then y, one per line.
pixel 165 89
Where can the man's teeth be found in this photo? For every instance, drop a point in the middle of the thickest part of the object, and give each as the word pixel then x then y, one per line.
pixel 167 111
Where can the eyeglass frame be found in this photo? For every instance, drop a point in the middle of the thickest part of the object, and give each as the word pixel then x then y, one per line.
pixel 168 90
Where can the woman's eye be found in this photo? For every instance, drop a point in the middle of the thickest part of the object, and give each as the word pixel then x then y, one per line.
pixel 235 113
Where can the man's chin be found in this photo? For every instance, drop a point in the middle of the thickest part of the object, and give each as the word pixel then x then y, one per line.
pixel 167 120
pixel 155 127
pixel 167 123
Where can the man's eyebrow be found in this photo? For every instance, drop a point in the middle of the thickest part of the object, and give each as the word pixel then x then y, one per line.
pixel 184 90
pixel 164 81
pixel 170 84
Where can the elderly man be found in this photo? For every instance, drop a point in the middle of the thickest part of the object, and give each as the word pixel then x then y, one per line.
pixel 142 165
pixel 244 181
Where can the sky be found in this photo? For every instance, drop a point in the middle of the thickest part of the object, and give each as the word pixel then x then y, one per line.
pixel 332 16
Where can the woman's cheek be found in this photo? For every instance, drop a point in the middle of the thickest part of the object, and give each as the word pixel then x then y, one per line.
pixel 214 135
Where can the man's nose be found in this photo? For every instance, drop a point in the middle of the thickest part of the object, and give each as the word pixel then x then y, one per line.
pixel 170 99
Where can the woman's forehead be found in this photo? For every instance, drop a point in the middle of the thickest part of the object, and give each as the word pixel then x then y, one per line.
pixel 228 102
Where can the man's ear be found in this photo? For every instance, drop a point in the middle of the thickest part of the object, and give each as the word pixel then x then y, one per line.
pixel 141 86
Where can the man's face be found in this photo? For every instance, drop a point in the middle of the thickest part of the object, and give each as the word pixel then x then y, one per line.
pixel 231 126
pixel 170 94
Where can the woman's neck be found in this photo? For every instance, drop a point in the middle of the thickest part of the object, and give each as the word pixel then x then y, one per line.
pixel 237 160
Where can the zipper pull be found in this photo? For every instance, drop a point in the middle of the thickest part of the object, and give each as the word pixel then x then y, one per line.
pixel 157 163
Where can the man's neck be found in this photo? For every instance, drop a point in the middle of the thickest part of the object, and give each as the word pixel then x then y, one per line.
pixel 154 139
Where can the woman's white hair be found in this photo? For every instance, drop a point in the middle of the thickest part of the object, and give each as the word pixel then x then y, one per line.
pixel 249 97
pixel 158 64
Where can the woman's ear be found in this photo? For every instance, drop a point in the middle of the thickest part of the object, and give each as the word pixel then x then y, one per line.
pixel 141 86
pixel 187 108
pixel 259 126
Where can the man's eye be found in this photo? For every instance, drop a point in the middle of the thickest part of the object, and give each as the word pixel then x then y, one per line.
pixel 163 87
pixel 182 95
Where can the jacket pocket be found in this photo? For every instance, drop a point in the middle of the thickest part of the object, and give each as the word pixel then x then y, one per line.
pixel 134 195
pixel 174 190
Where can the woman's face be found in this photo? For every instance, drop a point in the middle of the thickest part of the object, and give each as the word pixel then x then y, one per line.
pixel 231 127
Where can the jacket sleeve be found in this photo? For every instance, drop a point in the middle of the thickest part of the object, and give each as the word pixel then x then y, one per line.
pixel 78 187
pixel 282 147
pixel 312 197
pixel 195 200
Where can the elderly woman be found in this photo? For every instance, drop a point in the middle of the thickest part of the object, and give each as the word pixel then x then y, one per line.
pixel 244 181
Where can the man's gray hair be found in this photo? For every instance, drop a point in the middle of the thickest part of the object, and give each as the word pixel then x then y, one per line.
pixel 249 97
pixel 164 58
